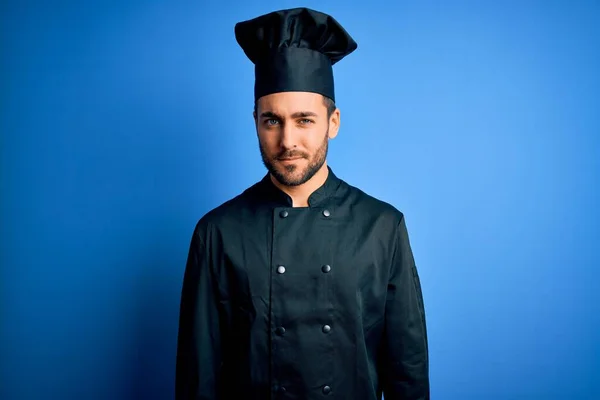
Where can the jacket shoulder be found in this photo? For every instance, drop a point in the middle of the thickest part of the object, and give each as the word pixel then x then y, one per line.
pixel 366 203
pixel 229 211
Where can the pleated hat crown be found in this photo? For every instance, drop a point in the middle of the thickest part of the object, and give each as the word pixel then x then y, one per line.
pixel 294 50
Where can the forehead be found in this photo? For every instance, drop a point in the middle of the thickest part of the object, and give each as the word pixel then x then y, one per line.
pixel 290 102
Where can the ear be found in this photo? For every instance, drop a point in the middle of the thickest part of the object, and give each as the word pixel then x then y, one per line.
pixel 334 123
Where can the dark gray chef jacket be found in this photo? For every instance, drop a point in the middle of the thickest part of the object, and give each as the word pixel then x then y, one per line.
pixel 317 302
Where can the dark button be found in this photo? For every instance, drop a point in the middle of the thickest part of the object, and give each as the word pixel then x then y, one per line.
pixel 280 330
pixel 326 390
pixel 284 214
pixel 326 213
pixel 326 328
pixel 325 269
pixel 281 269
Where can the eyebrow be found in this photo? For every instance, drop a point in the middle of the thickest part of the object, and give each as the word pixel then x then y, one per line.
pixel 299 114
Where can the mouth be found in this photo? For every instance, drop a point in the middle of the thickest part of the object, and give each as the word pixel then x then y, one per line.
pixel 289 159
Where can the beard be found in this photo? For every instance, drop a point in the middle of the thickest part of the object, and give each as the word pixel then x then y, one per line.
pixel 294 175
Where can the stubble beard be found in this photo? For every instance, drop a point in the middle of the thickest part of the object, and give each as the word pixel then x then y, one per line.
pixel 286 175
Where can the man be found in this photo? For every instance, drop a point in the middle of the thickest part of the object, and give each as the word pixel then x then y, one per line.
pixel 301 287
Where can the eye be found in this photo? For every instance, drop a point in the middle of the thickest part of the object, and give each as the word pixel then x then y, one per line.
pixel 271 122
pixel 306 121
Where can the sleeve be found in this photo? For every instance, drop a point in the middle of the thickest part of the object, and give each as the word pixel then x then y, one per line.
pixel 198 342
pixel 405 359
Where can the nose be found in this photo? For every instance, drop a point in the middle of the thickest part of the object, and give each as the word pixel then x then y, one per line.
pixel 287 137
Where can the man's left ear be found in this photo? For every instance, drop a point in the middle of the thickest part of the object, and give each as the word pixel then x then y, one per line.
pixel 334 123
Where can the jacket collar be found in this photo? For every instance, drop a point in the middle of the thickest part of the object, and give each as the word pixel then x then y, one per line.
pixel 318 197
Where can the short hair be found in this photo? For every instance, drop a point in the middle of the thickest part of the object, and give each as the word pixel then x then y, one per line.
pixel 327 102
pixel 330 104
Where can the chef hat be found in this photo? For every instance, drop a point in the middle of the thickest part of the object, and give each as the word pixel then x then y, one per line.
pixel 294 50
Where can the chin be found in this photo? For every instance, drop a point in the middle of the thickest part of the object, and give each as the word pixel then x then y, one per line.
pixel 291 176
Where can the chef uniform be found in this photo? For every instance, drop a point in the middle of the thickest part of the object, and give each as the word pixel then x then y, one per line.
pixel 317 302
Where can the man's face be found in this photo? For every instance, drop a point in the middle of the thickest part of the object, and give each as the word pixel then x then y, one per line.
pixel 293 133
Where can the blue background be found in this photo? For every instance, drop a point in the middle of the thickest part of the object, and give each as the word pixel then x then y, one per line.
pixel 122 123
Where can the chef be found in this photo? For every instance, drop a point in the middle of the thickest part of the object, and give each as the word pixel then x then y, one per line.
pixel 302 286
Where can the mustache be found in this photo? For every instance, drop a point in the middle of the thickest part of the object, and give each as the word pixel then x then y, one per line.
pixel 291 154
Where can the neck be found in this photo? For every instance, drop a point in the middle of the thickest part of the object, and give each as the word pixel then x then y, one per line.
pixel 301 193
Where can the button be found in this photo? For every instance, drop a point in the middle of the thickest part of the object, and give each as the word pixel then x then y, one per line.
pixel 326 213
pixel 281 269
pixel 284 214
pixel 326 328
pixel 280 330
pixel 326 389
pixel 325 269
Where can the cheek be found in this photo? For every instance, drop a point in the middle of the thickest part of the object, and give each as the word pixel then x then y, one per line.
pixel 267 141
pixel 316 139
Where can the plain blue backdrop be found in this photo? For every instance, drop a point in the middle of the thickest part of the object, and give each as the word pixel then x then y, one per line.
pixel 122 123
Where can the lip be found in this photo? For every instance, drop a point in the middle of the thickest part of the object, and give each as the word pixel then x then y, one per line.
pixel 290 159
